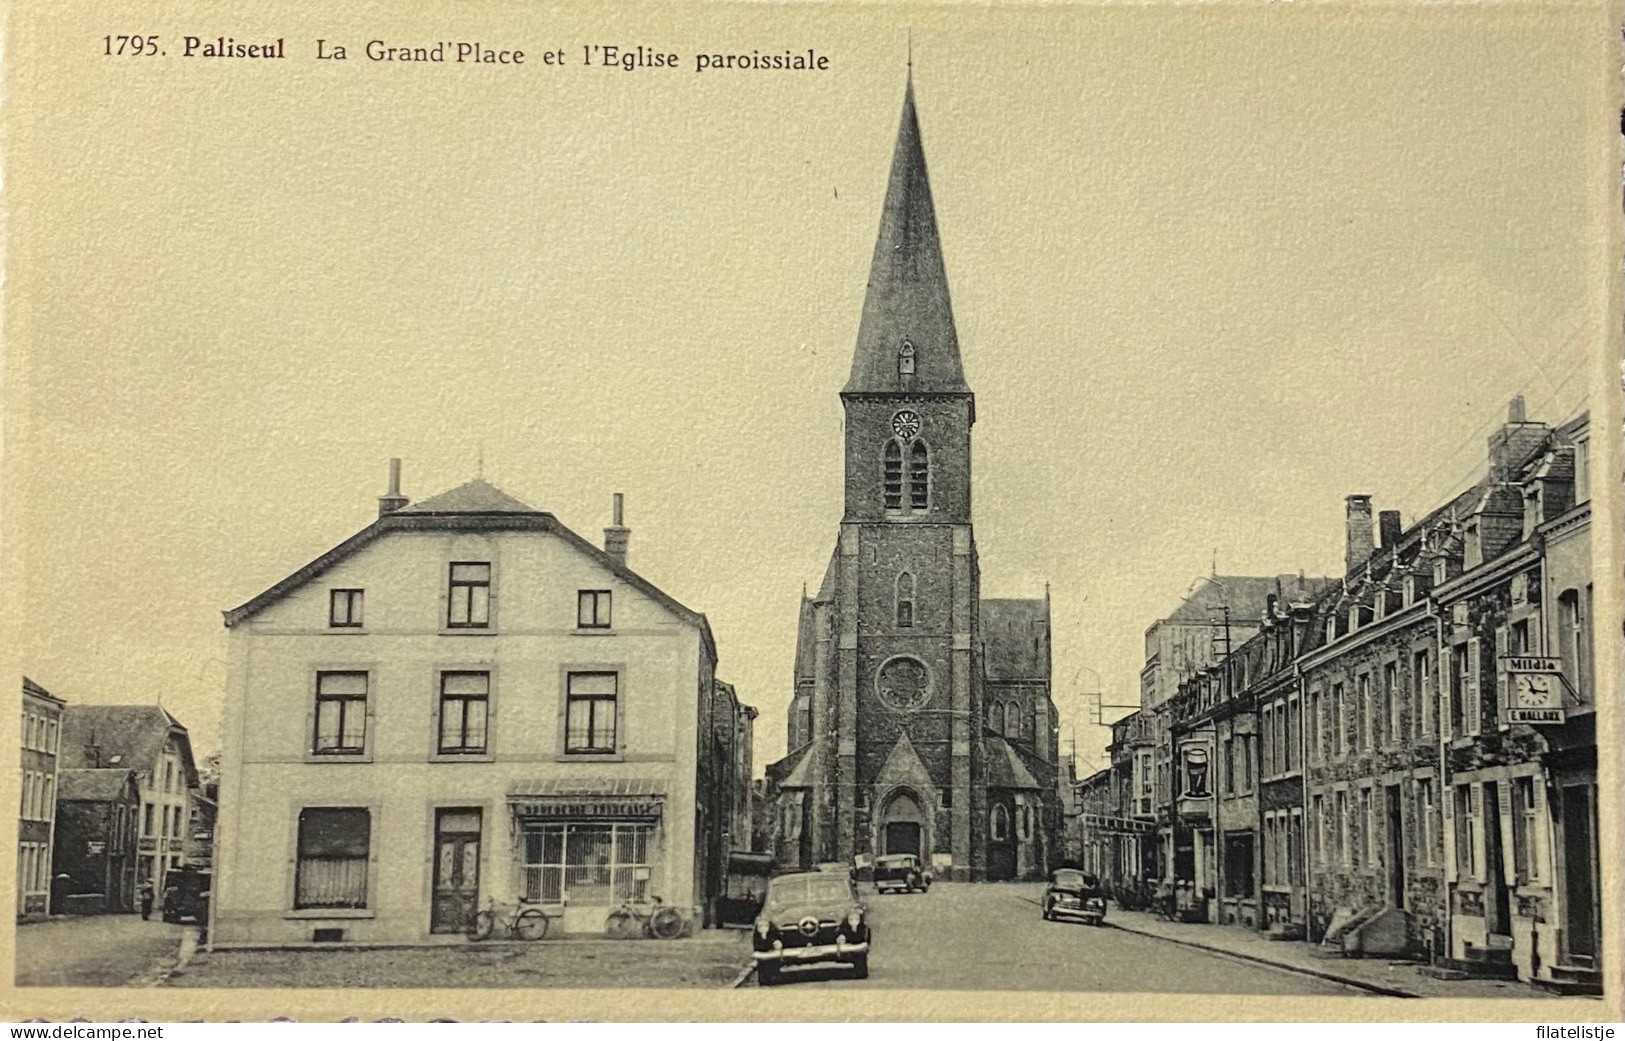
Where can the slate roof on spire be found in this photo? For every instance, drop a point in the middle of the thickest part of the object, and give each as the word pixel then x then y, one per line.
pixel 907 298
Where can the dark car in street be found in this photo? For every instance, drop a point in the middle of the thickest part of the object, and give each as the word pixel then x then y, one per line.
pixel 811 918
pixel 901 873
pixel 1074 896
pixel 186 895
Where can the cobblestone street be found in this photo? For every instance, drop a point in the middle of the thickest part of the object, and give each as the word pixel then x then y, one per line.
pixel 118 950
pixel 712 959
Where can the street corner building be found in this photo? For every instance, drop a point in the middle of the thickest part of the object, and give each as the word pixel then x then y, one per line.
pixel 1397 763
pixel 126 802
pixel 36 813
pixel 921 720
pixel 467 702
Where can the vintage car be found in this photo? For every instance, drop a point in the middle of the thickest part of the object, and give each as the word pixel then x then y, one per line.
pixel 900 873
pixel 186 895
pixel 1075 896
pixel 810 918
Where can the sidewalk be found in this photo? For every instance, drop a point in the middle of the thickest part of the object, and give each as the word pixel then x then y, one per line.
pixel 1374 975
pixel 711 958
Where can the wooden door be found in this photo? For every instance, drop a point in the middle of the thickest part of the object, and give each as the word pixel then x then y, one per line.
pixel 456 870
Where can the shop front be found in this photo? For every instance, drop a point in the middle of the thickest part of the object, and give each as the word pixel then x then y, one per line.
pixel 581 855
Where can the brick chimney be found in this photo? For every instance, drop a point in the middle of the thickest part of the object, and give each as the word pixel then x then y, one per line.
pixel 1515 441
pixel 1359 530
pixel 393 500
pixel 617 535
pixel 1388 528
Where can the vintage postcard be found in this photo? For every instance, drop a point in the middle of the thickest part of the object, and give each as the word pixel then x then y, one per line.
pixel 490 525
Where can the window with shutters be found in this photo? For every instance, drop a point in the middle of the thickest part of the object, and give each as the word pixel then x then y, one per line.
pixel 1467 859
pixel 1340 829
pixel 1425 707
pixel 1388 713
pixel 1339 729
pixel 1317 830
pixel 1294 734
pixel 1458 690
pixel 1474 698
pixel 332 857
pixel 1528 838
pixel 1317 740
pixel 1427 810
pixel 1362 710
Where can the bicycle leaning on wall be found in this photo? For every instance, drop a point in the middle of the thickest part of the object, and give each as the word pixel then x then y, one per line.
pixel 654 919
pixel 525 923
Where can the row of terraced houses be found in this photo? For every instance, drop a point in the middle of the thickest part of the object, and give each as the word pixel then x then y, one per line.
pixel 1398 762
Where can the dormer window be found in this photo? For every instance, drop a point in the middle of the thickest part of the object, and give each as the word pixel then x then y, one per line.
pixel 905 359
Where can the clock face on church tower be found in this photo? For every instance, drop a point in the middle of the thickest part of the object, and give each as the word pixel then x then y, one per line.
pixel 905 425
pixel 903 684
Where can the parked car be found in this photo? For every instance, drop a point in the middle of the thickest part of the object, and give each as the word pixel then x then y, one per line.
pixel 902 873
pixel 186 895
pixel 1075 896
pixel 811 918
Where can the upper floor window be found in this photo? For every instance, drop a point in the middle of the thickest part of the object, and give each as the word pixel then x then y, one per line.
pixel 344 608
pixel 589 713
pixel 893 491
pixel 465 699
pixel 905 359
pixel 905 600
pixel 919 477
pixel 341 713
pixel 1012 719
pixel 592 609
pixel 468 601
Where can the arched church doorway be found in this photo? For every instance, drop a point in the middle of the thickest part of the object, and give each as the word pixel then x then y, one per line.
pixel 902 828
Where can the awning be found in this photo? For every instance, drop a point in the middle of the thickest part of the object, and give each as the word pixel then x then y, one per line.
pixel 595 798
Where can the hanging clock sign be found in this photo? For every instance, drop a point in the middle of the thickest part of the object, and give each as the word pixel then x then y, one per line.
pixel 1536 689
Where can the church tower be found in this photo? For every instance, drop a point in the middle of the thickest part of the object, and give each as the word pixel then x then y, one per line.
pixel 921 720
pixel 907 561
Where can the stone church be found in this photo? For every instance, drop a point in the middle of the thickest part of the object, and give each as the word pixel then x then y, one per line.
pixel 921 720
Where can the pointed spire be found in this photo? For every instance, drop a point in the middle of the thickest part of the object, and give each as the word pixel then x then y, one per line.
pixel 906 339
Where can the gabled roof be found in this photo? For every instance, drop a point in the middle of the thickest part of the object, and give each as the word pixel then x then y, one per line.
pixel 907 297
pixel 477 505
pixel 35 690
pixel 1015 639
pixel 92 735
pixel 477 496
pixel 93 785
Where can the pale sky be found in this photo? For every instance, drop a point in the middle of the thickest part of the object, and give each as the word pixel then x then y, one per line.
pixel 1213 269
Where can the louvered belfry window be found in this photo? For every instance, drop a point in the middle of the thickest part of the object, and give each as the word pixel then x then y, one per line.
pixel 919 477
pixel 894 476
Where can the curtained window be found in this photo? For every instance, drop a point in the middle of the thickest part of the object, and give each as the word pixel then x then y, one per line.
pixel 333 847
